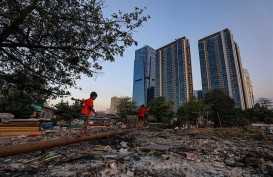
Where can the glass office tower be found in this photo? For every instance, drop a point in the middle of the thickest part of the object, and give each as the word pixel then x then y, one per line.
pixel 173 72
pixel 221 66
pixel 144 81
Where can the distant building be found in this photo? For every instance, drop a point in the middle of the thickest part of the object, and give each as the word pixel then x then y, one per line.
pixel 114 104
pixel 108 110
pixel 221 66
pixel 37 111
pixel 47 111
pixel 173 72
pixel 143 81
pixel 101 114
pixel 198 94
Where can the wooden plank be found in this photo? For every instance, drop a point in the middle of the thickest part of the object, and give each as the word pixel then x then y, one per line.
pixel 19 128
pixel 18 133
pixel 31 124
pixel 47 144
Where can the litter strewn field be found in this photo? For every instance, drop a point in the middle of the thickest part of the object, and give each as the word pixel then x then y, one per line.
pixel 189 152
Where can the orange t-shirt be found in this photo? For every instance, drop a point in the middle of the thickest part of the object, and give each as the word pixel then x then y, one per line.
pixel 88 104
pixel 141 112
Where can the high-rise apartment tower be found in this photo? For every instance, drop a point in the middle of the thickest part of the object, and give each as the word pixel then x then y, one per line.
pixel 114 104
pixel 221 66
pixel 173 72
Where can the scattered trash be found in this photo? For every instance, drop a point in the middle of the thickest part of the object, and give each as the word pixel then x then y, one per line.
pixel 121 125
pixel 112 164
pixel 177 148
pixel 141 153
pixel 47 126
pixel 110 156
pixel 156 147
pixel 53 157
pixel 100 148
pixel 190 156
pixel 269 130
pixel 123 144
pixel 33 135
pixel 123 150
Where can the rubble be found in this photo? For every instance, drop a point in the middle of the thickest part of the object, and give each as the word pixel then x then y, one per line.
pixel 48 144
pixel 202 152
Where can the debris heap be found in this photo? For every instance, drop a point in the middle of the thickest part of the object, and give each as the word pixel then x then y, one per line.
pixel 143 153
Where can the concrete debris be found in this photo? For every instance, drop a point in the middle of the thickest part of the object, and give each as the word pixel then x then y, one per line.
pixel 142 153
pixel 156 147
pixel 269 168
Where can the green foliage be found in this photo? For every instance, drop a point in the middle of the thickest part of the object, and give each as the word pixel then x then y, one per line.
pixel 261 112
pixel 161 109
pixel 18 102
pixel 218 100
pixel 127 107
pixel 190 112
pixel 219 103
pixel 179 122
pixel 69 112
pixel 46 46
pixel 268 119
pixel 234 118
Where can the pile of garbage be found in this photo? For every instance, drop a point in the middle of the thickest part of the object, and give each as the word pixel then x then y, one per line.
pixel 143 153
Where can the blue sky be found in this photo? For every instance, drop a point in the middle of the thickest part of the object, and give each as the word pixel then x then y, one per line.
pixel 250 21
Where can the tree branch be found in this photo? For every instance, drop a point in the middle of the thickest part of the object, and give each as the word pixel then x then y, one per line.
pixel 24 65
pixel 17 21
pixel 30 46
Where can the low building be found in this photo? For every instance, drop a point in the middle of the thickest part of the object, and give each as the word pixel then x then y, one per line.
pixel 48 112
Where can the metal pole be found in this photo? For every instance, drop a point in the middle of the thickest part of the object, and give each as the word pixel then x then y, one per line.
pixel 219 119
pixel 41 145
pixel 187 120
pixel 207 118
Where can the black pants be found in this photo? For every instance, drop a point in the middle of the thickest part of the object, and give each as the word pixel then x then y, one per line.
pixel 140 118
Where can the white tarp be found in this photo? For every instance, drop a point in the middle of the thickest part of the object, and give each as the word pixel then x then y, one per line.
pixel 6 116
